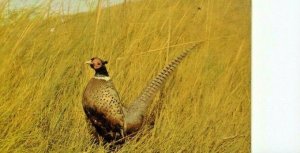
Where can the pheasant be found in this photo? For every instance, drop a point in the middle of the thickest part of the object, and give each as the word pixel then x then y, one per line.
pixel 102 106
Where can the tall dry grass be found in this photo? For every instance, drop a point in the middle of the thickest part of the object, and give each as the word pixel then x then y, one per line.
pixel 204 107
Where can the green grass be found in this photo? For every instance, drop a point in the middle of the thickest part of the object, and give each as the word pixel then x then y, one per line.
pixel 204 107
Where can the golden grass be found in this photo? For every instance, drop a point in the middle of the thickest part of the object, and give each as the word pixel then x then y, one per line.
pixel 204 107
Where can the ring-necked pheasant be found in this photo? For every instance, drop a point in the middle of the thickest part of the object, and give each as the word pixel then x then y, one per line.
pixel 102 105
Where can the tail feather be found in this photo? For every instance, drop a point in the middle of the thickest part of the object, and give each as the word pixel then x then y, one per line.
pixel 135 112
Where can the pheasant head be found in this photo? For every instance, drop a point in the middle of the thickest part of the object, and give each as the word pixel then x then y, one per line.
pixel 98 65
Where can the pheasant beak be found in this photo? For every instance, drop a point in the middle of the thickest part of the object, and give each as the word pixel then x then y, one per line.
pixel 89 62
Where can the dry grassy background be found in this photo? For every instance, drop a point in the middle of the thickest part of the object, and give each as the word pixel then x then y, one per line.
pixel 204 107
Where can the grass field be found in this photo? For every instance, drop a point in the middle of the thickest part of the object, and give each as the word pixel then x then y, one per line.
pixel 204 107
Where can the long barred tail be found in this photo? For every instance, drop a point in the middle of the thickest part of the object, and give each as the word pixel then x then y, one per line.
pixel 136 110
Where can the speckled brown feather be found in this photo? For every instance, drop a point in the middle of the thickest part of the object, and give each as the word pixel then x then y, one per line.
pixel 102 106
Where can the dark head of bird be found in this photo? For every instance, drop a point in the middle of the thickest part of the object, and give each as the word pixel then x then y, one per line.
pixel 98 65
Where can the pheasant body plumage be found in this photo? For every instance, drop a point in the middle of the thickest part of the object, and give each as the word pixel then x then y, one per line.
pixel 103 96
